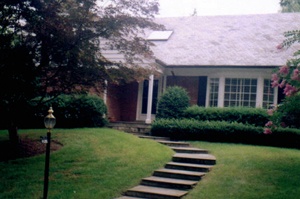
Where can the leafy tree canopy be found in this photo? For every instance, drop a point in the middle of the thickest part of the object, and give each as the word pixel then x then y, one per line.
pixel 290 5
pixel 49 47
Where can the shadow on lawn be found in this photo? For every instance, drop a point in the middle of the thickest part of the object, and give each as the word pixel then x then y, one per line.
pixel 27 147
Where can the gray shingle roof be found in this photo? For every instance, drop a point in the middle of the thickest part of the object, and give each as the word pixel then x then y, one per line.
pixel 246 40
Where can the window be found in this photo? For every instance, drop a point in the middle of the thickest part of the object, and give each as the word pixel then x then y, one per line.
pixel 240 92
pixel 145 96
pixel 268 96
pixel 213 92
pixel 160 35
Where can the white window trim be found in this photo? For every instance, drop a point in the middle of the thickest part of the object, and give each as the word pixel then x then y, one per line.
pixel 259 90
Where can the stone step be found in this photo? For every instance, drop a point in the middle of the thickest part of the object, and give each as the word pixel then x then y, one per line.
pixel 179 174
pixel 168 183
pixel 155 192
pixel 175 144
pixel 194 158
pixel 154 137
pixel 189 150
pixel 188 166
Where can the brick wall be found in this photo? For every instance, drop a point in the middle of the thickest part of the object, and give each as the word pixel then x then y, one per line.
pixel 122 102
pixel 191 85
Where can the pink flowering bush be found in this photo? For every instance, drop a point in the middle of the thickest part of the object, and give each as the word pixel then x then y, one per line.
pixel 287 77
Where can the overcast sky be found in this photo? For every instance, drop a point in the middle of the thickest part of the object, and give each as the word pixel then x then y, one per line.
pixel 171 8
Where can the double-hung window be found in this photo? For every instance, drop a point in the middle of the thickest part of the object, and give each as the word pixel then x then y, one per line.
pixel 213 92
pixel 268 95
pixel 240 92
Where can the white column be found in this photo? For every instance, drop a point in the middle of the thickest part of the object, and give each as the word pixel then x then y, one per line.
pixel 105 92
pixel 221 92
pixel 259 92
pixel 164 83
pixel 150 95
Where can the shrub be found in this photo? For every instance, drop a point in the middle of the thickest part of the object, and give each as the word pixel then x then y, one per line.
pixel 221 131
pixel 73 111
pixel 172 103
pixel 288 113
pixel 253 116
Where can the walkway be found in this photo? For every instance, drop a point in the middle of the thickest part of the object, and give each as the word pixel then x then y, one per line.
pixel 188 166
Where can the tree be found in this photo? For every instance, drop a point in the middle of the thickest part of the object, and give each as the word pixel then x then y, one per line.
pixel 49 47
pixel 290 5
pixel 287 77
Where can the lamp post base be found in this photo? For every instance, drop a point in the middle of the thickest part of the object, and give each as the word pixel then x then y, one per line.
pixel 47 161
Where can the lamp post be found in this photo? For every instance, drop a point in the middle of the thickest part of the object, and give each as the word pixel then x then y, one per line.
pixel 49 122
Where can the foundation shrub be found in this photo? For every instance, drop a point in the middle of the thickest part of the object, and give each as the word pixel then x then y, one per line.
pixel 253 116
pixel 173 103
pixel 222 131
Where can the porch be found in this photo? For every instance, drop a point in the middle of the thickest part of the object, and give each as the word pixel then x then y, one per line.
pixel 136 127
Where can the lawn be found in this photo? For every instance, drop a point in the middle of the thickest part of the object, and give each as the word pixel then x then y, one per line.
pixel 102 163
pixel 93 163
pixel 250 172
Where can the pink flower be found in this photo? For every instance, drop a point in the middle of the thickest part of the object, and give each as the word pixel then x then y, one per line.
pixel 284 70
pixel 275 84
pixel 267 131
pixel 289 90
pixel 275 77
pixel 282 84
pixel 295 75
pixel 269 123
pixel 279 46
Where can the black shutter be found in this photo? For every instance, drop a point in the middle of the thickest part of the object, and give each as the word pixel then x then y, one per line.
pixel 202 90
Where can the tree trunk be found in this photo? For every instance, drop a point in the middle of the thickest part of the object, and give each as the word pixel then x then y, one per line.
pixel 13 135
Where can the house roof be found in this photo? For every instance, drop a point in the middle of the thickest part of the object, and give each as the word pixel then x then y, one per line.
pixel 246 40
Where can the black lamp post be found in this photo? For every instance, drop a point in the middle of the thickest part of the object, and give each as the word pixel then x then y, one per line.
pixel 49 122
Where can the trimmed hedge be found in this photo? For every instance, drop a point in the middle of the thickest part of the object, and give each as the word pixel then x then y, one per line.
pixel 253 116
pixel 221 131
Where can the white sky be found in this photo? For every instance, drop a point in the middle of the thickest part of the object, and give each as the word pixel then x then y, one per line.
pixel 171 8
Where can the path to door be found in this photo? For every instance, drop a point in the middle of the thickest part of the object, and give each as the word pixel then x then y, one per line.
pixel 188 166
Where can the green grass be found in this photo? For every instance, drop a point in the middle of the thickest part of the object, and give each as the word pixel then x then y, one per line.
pixel 250 172
pixel 102 163
pixel 94 163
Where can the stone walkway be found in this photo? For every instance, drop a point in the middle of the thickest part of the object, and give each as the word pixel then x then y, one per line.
pixel 188 166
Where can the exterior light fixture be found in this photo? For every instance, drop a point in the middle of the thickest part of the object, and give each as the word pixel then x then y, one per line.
pixel 49 122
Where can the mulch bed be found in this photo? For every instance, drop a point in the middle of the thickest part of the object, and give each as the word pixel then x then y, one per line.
pixel 27 147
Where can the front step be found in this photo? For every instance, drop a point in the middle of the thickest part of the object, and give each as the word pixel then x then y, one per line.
pixel 155 193
pixel 129 197
pixel 194 158
pixel 179 174
pixel 168 183
pixel 188 166
pixel 174 144
pixel 189 150
pixel 154 137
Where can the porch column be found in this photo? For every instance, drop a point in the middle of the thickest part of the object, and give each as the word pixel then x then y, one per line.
pixel 105 92
pixel 150 96
pixel 259 92
pixel 221 92
pixel 164 86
